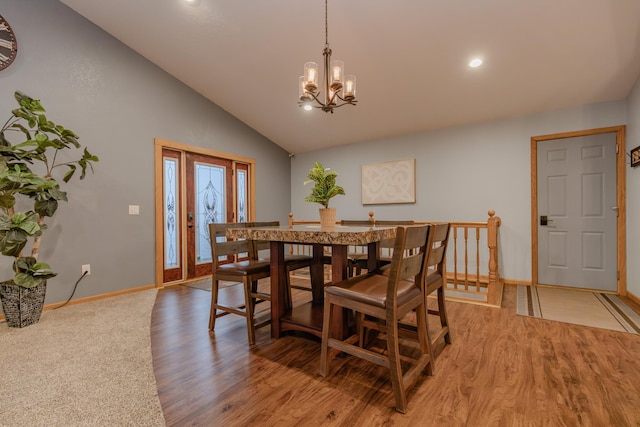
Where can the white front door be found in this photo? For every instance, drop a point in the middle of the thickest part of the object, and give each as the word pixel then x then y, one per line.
pixel 577 212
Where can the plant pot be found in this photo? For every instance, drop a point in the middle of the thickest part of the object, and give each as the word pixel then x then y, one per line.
pixel 327 217
pixel 22 306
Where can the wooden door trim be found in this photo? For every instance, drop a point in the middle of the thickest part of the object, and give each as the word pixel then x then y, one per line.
pixel 620 198
pixel 159 145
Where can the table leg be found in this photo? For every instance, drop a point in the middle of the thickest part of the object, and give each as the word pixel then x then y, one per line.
pixel 373 249
pixel 339 272
pixel 278 287
pixel 317 273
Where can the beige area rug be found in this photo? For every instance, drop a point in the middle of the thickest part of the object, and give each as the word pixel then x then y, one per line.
pixel 593 309
pixel 82 365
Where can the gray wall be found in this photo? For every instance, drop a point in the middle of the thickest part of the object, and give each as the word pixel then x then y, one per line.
pixel 461 174
pixel 117 102
pixel 633 193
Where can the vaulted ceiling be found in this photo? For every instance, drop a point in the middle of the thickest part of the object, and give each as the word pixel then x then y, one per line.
pixel 410 58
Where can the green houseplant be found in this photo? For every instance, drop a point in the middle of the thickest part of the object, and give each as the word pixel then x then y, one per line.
pixel 27 183
pixel 324 189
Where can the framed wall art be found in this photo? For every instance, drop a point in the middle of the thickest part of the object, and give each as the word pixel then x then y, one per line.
pixel 389 182
pixel 635 157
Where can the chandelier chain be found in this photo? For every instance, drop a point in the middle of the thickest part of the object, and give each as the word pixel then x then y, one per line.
pixel 326 24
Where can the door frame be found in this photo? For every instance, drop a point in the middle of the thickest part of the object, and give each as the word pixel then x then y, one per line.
pixel 159 145
pixel 620 198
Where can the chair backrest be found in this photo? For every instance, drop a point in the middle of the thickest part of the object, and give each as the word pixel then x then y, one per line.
pixel 436 261
pixel 264 224
pixel 261 245
pixel 293 222
pixel 356 222
pixel 221 247
pixel 387 244
pixel 412 246
pixel 384 223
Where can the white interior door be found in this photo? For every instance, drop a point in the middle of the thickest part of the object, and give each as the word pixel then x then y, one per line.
pixel 577 212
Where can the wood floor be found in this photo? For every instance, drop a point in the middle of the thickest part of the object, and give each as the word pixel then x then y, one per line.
pixel 501 370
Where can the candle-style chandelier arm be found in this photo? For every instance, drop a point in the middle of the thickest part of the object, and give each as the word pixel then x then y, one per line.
pixel 326 107
pixel 346 101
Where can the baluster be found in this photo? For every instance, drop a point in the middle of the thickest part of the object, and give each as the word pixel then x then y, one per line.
pixel 466 259
pixel 477 259
pixel 455 257
pixel 494 291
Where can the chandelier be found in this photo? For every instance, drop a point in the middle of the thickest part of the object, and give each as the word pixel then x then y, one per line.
pixel 339 89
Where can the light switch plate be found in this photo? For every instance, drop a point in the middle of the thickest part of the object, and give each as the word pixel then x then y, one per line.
pixel 134 210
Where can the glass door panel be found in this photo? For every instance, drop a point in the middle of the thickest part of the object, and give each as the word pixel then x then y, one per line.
pixel 172 223
pixel 242 186
pixel 209 199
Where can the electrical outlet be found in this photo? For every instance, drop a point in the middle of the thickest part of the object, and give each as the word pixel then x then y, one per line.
pixel 86 268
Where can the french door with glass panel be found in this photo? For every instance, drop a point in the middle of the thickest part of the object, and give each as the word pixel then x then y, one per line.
pixel 197 189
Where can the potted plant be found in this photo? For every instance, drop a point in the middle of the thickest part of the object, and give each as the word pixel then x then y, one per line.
pixel 27 182
pixel 324 189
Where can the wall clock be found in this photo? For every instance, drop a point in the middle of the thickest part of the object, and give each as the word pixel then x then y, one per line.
pixel 8 45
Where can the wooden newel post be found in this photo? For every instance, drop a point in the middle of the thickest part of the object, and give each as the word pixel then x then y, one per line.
pixel 494 290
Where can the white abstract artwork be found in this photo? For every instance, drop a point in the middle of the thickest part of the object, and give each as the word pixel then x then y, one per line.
pixel 389 182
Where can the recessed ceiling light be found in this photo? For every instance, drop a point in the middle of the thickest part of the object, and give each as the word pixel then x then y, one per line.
pixel 476 62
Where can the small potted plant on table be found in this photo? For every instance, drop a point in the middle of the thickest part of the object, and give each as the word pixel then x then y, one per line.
pixel 324 189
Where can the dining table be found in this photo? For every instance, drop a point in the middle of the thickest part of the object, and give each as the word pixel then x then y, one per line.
pixel 307 317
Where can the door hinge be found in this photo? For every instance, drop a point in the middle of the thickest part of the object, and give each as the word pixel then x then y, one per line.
pixel 617 149
pixel 618 274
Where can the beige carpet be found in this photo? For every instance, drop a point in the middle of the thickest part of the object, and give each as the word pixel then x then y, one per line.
pixel 82 365
pixel 593 309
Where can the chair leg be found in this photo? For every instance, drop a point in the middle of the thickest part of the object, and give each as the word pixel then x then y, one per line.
pixel 444 321
pixel 361 329
pixel 289 302
pixel 424 337
pixel 248 308
pixel 326 327
pixel 395 368
pixel 214 303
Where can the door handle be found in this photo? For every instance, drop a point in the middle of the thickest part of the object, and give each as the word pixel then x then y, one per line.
pixel 544 220
pixel 615 209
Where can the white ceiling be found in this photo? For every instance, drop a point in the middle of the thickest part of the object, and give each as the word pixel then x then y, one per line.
pixel 409 56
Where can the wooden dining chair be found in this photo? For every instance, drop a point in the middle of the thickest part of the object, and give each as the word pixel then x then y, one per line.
pixel 293 261
pixel 386 246
pixel 358 259
pixel 387 297
pixel 236 261
pixel 305 249
pixel 436 279
pixel 357 256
